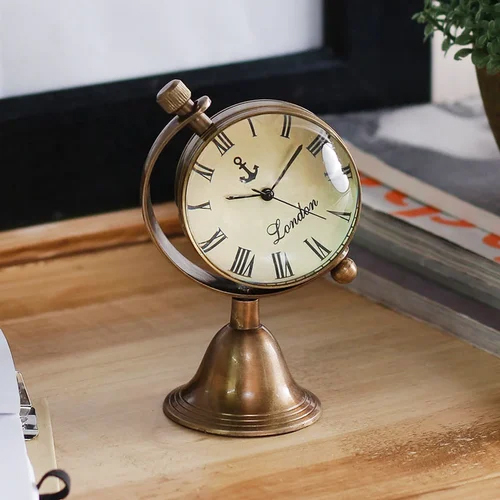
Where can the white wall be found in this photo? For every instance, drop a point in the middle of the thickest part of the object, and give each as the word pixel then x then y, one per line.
pixel 53 44
pixel 451 80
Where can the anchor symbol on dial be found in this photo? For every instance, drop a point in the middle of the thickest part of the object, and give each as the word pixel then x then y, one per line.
pixel 250 175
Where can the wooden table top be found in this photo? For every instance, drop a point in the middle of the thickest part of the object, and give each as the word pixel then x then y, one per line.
pixel 408 411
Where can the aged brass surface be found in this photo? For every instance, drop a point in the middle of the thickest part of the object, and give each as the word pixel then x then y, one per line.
pixel 174 96
pixel 192 114
pixel 243 386
pixel 201 276
pixel 345 272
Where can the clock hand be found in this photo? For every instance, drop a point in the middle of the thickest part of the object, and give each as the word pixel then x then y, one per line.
pixel 240 196
pixel 290 161
pixel 289 204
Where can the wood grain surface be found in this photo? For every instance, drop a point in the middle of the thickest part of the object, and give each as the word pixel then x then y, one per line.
pixel 82 234
pixel 409 412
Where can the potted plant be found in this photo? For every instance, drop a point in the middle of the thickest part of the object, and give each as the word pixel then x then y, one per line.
pixel 474 24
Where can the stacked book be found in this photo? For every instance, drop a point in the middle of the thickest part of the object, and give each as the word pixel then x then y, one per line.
pixel 428 242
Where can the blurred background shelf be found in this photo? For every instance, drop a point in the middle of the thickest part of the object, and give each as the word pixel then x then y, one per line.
pixel 79 151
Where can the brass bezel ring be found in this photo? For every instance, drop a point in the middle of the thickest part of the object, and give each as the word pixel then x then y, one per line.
pixel 220 122
pixel 206 278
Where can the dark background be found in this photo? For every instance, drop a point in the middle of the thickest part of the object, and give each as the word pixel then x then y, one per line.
pixel 80 151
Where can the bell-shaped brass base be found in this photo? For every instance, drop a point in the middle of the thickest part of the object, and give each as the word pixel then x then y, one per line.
pixel 243 386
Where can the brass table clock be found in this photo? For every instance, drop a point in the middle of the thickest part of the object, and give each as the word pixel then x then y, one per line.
pixel 269 197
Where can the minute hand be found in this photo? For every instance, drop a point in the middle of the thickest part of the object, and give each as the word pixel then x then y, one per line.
pixel 290 161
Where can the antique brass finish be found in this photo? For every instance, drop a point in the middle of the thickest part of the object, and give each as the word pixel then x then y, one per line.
pixel 345 272
pixel 243 386
pixel 192 114
pixel 175 97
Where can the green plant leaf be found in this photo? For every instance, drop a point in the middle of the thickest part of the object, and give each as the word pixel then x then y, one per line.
pixel 464 38
pixel 493 66
pixel 463 22
pixel 494 47
pixel 483 24
pixel 480 57
pixel 429 28
pixel 460 54
pixel 469 23
pixel 481 41
pixel 446 45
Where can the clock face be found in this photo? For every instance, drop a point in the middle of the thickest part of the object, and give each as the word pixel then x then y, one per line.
pixel 271 200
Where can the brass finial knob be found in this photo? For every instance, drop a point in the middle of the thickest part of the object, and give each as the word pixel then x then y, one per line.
pixel 345 272
pixel 174 96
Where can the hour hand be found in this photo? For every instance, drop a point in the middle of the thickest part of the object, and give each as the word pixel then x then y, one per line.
pixel 240 196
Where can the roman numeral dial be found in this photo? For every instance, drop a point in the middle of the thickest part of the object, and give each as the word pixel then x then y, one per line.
pixel 320 250
pixel 287 125
pixel 216 239
pixel 252 127
pixel 347 171
pixel 206 172
pixel 243 262
pixel 317 144
pixel 282 267
pixel 255 203
pixel 341 215
pixel 201 206
pixel 223 143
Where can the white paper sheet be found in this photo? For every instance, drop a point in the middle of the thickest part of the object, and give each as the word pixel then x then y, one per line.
pixel 9 393
pixel 16 481
pixel 16 474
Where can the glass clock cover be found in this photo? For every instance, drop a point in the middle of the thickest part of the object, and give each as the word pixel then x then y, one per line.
pixel 271 200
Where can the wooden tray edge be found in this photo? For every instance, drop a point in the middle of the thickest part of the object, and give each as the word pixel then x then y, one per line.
pixel 84 234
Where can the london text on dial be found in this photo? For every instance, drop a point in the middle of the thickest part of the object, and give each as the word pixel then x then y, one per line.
pixel 279 232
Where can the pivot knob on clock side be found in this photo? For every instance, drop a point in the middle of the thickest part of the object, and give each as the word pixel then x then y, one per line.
pixel 345 272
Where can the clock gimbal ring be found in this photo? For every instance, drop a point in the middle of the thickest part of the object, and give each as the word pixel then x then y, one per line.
pixel 159 238
pixel 175 98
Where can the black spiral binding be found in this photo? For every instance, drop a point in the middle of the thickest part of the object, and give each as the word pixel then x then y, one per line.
pixel 62 476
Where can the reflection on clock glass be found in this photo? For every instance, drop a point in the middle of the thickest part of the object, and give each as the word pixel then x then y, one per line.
pixel 271 200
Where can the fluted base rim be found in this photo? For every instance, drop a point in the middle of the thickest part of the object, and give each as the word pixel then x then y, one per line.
pixel 180 410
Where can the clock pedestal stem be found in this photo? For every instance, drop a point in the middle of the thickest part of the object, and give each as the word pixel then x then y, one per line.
pixel 243 386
